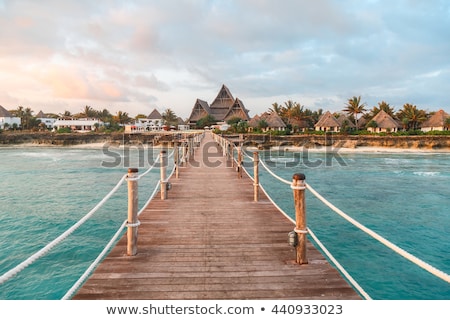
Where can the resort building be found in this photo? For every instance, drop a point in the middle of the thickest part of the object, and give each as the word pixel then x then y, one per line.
pixel 345 122
pixel 298 125
pixel 49 122
pixel 437 122
pixel 383 122
pixel 7 120
pixel 267 122
pixel 223 108
pixel 328 123
pixel 78 125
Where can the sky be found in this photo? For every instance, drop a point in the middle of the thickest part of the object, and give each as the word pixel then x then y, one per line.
pixel 134 56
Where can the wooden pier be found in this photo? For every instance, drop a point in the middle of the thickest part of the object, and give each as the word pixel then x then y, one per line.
pixel 210 240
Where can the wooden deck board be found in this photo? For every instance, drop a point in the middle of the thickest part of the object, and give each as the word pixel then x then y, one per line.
pixel 210 240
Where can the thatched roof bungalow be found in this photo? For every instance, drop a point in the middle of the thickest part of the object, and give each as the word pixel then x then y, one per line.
pixel 328 123
pixel 298 125
pixel 223 108
pixel 7 119
pixel 345 122
pixel 383 123
pixel 437 122
pixel 272 121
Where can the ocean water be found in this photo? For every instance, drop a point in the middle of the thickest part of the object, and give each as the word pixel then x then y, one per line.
pixel 403 197
pixel 44 191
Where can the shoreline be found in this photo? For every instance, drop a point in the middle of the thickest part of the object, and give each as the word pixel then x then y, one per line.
pixel 362 149
pixel 294 143
pixel 284 148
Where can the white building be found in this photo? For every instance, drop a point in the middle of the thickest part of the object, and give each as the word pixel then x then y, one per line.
pixel 49 122
pixel 78 125
pixel 7 119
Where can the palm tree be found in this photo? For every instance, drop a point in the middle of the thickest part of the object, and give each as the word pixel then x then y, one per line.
pixel 382 106
pixel 88 112
pixel 411 116
pixel 67 114
pixel 169 117
pixel 276 108
pixel 25 115
pixel 122 117
pixel 355 107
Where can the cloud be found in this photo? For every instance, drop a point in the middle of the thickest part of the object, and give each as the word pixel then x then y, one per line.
pixel 139 53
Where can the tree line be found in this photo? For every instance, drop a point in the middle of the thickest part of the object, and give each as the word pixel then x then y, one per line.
pixel 409 116
pixel 113 122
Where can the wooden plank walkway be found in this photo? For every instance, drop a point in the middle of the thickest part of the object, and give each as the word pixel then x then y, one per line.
pixel 210 240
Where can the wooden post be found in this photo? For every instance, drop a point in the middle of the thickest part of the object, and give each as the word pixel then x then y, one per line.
pixel 239 168
pixel 132 219
pixel 163 166
pixel 232 155
pixel 298 187
pixel 176 158
pixel 256 176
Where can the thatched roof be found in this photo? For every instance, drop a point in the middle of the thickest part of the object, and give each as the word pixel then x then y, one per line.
pixel 436 120
pixel 272 119
pixel 5 113
pixel 254 122
pixel 344 120
pixel 224 99
pixel 224 107
pixel 385 121
pixel 327 120
pixel 298 123
pixel 41 115
pixel 155 115
pixel 237 110
pixel 201 109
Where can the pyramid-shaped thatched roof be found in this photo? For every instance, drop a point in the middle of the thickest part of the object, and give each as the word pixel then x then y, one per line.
pixel 40 115
pixel 343 119
pixel 437 120
pixel 5 113
pixel 327 120
pixel 272 119
pixel 155 114
pixel 385 121
pixel 275 121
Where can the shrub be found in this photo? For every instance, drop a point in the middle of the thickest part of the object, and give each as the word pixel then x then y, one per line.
pixel 64 130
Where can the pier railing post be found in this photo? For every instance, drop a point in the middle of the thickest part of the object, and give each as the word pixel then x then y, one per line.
pixel 163 167
pixel 176 158
pixel 256 176
pixel 298 187
pixel 132 220
pixel 239 165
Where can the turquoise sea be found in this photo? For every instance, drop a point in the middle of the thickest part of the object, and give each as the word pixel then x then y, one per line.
pixel 405 197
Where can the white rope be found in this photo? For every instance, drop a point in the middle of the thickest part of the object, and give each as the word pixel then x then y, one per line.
pixel 339 266
pixel 11 273
pixel 151 167
pixel 101 256
pixel 274 175
pixel 327 253
pixel 93 265
pixel 438 273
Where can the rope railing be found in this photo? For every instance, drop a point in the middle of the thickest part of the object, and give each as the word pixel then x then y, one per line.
pixel 422 264
pixel 311 233
pixel 40 253
pixel 113 240
pixel 21 266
